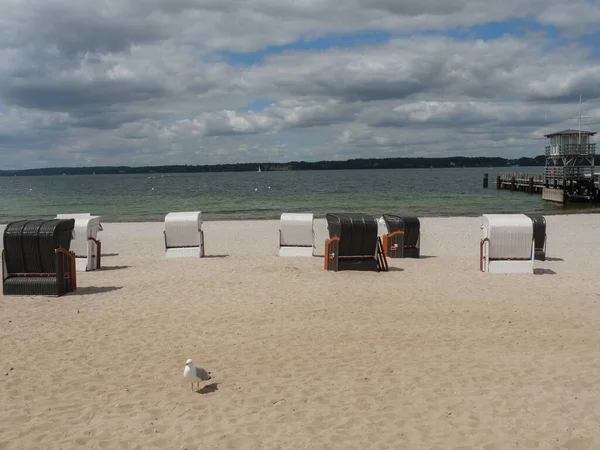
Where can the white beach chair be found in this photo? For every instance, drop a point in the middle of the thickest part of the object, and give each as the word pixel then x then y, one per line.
pixel 183 234
pixel 507 244
pixel 87 247
pixel 296 235
pixel 381 227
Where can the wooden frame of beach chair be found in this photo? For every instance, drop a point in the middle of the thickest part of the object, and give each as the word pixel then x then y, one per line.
pixel 183 234
pixel 507 244
pixel 353 244
pixel 539 236
pixel 296 234
pixel 404 236
pixel 36 259
pixel 86 245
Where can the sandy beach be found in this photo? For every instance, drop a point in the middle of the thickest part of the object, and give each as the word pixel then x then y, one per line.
pixel 431 355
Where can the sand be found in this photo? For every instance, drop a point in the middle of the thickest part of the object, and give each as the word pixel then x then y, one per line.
pixel 431 355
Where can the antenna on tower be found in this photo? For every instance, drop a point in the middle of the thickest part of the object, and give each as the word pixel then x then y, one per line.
pixel 581 116
pixel 545 112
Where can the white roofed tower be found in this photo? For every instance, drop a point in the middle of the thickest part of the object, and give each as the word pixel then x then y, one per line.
pixel 570 162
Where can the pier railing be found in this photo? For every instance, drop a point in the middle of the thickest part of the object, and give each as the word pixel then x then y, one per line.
pixel 521 177
pixel 571 150
pixel 569 172
pixel 518 181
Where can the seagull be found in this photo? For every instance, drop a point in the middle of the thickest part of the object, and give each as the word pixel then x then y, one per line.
pixel 195 374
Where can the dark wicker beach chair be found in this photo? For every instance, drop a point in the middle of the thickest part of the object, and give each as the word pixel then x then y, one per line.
pixel 36 259
pixel 539 236
pixel 353 243
pixel 404 236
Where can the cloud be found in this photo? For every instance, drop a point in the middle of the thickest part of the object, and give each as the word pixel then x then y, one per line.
pixel 581 17
pixel 433 66
pixel 159 82
pixel 463 114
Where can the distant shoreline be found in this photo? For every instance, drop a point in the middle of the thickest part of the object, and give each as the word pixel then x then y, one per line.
pixel 351 164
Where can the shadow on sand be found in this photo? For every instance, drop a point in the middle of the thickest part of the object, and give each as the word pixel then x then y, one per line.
pixel 90 290
pixel 544 272
pixel 209 388
pixel 112 268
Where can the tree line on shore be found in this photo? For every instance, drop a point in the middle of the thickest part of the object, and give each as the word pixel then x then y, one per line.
pixel 351 164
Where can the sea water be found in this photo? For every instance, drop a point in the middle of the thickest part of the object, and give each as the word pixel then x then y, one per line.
pixel 265 195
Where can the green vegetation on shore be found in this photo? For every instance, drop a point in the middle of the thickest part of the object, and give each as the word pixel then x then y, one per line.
pixel 351 164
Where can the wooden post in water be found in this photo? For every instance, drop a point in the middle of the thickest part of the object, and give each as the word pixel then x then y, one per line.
pixel 531 185
pixel 485 180
pixel 498 184
pixel 513 183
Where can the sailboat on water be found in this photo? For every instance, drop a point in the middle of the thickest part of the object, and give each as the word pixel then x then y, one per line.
pixel 258 169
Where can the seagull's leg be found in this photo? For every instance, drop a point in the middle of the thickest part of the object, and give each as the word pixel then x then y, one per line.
pixel 192 386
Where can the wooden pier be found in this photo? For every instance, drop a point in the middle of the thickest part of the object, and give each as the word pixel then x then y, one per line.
pixel 538 184
pixel 517 181
pixel 569 172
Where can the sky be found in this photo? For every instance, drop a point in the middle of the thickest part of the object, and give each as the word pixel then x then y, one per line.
pixel 158 82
